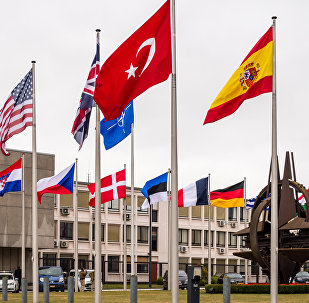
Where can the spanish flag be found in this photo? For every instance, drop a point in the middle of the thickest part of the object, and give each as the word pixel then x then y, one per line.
pixel 232 196
pixel 251 79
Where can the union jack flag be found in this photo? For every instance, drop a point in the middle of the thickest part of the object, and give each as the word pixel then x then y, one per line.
pixel 81 123
pixel 16 113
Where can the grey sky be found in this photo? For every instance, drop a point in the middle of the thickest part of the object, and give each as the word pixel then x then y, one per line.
pixel 213 37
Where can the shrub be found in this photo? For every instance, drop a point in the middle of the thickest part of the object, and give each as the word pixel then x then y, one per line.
pixel 214 279
pixel 160 281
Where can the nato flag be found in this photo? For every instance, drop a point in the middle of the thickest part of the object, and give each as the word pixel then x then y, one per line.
pixel 114 131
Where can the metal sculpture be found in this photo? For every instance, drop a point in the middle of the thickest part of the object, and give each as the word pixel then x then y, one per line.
pixel 293 227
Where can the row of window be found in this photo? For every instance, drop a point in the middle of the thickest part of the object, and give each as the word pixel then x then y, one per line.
pixel 196 238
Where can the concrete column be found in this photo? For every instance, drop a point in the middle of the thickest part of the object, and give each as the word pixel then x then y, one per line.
pixel 46 290
pixel 5 289
pixel 71 290
pixel 24 290
pixel 226 290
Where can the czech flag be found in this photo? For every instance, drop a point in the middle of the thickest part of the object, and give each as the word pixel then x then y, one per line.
pixel 59 184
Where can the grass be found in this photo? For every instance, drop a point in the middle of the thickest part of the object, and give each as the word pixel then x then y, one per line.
pixel 155 296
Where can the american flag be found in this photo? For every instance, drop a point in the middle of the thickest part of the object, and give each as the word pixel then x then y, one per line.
pixel 16 113
pixel 81 123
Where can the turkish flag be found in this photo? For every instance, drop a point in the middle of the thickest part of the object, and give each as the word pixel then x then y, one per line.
pixel 143 60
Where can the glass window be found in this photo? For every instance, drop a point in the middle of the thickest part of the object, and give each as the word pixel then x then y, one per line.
pixel 254 268
pixel 142 234
pixel 232 213
pixel 242 241
pixel 83 231
pixel 196 261
pixel 113 205
pixel 242 269
pixel 220 266
pixel 220 213
pixel 83 199
pixel 113 264
pixel 66 230
pixel 154 239
pixel 206 212
pixel 154 215
pixel 142 265
pixel 220 239
pixel 196 237
pixel 232 240
pixel 113 233
pixel 242 214
pixel 140 201
pixel 128 200
pixel 102 232
pixel 206 238
pixel 49 259
pixel 183 236
pixel 196 212
pixel 183 212
pixel 66 200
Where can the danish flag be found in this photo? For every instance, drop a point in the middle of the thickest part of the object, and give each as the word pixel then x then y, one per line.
pixel 112 187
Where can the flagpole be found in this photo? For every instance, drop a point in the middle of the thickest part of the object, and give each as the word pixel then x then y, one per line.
pixel 133 284
pixel 23 229
pixel 246 217
pixel 174 168
pixel 35 260
pixel 274 184
pixel 75 201
pixel 125 240
pixel 209 234
pixel 98 261
pixel 169 227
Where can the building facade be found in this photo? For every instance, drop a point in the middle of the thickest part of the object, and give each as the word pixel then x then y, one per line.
pixel 193 237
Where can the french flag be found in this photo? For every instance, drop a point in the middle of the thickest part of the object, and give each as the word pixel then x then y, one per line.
pixel 194 194
pixel 59 184
pixel 10 178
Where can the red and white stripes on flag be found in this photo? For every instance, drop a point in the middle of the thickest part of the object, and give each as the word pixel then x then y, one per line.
pixel 16 113
pixel 112 187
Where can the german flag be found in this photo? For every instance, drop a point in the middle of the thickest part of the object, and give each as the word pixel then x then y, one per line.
pixel 251 79
pixel 232 196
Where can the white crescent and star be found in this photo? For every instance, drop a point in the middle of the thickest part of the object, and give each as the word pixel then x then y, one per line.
pixel 152 43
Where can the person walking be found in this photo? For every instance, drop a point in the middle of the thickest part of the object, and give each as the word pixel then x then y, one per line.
pixel 91 275
pixel 82 276
pixel 17 274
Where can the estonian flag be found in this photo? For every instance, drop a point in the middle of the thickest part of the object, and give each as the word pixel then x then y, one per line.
pixel 194 194
pixel 155 190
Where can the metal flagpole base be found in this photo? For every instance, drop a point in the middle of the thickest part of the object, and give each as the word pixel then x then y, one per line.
pixel 133 289
pixel 24 286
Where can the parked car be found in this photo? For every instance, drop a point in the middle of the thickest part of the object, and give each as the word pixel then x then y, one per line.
pixel 302 277
pixel 55 275
pixel 87 279
pixel 182 280
pixel 13 285
pixel 235 278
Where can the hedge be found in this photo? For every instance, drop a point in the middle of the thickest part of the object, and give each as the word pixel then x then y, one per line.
pixel 260 288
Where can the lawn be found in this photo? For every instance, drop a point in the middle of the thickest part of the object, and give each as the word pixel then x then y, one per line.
pixel 155 296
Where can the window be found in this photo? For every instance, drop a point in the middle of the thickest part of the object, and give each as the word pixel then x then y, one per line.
pixel 83 199
pixel 128 233
pixel 142 265
pixel 83 231
pixel 242 269
pixel 232 214
pixel 206 212
pixel 196 237
pixel 154 239
pixel 66 200
pixel 206 238
pixel 113 264
pixel 196 212
pixel 142 234
pixel 220 266
pixel 66 230
pixel 140 201
pixel 220 239
pixel 220 213
pixel 242 241
pixel 154 215
pixel 232 240
pixel 254 268
pixel 242 214
pixel 113 205
pixel 49 259
pixel 128 201
pixel 102 232
pixel 113 233
pixel 183 212
pixel 183 236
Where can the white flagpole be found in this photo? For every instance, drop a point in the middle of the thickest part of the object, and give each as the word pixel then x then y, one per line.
pixel 169 227
pixel 174 169
pixel 23 227
pixel 125 240
pixel 35 259
pixel 246 220
pixel 75 202
pixel 133 284
pixel 209 234
pixel 274 184
pixel 98 258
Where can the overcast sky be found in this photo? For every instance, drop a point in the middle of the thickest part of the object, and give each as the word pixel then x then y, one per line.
pixel 213 37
